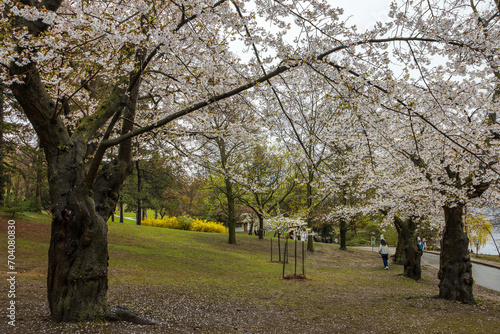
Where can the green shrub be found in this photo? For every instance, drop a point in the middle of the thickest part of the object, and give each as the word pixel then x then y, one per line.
pixel 391 236
pixel 357 239
pixel 185 223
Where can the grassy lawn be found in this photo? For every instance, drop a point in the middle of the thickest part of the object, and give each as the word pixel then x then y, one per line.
pixel 196 282
pixel 494 258
pixel 132 215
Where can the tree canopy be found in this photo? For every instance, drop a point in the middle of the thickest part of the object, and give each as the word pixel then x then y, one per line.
pixel 410 104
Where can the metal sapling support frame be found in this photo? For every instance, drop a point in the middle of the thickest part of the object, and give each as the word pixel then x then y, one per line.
pixel 298 232
pixel 277 232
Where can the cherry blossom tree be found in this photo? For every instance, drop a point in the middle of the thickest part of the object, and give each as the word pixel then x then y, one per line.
pixel 219 140
pixel 453 122
pixel 92 75
pixel 268 182
pixel 302 113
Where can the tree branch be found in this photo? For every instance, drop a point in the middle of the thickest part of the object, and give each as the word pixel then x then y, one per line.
pixel 195 107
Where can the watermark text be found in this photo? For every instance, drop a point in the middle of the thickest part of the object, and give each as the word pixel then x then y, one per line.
pixel 11 272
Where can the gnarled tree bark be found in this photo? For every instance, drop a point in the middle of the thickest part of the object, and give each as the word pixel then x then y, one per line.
pixel 412 255
pixel 78 254
pixel 455 272
pixel 399 255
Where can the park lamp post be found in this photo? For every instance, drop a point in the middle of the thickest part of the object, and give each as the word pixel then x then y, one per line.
pixel 477 247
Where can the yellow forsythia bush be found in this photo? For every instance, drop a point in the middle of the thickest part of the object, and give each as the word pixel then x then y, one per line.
pixel 207 226
pixel 170 222
pixel 185 223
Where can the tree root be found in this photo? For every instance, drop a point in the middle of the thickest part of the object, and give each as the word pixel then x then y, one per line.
pixel 123 313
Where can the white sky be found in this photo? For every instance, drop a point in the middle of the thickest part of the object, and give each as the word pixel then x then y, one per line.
pixel 363 13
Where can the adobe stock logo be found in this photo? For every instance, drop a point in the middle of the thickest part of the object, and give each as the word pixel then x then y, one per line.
pixel 11 273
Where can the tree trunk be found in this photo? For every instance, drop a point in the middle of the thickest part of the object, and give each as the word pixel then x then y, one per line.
pixel 82 194
pixel 231 219
pixel 78 253
pixel 138 216
pixel 250 230
pixel 121 210
pixel 412 265
pixel 138 213
pixel 39 181
pixel 399 256
pixel 310 241
pixel 2 150
pixel 261 226
pixel 231 216
pixel 494 242
pixel 343 233
pixel 455 272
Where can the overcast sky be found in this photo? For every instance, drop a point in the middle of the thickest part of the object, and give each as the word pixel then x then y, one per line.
pixel 363 13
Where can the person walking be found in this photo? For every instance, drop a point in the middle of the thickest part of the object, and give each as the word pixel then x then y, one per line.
pixel 420 245
pixel 383 250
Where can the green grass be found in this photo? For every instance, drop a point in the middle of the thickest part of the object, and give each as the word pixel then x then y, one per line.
pixel 494 258
pixel 151 213
pixel 125 215
pixel 183 276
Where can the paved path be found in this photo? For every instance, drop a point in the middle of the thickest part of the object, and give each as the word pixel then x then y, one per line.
pixel 129 218
pixel 486 276
pixel 483 275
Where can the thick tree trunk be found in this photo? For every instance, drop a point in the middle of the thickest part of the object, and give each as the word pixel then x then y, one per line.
pixel 78 253
pixel 412 264
pixel 343 234
pixel 399 255
pixel 455 272
pixel 82 195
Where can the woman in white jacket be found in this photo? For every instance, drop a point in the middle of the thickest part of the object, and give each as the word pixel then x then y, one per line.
pixel 383 249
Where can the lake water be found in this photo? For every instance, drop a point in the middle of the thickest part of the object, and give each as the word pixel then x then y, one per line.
pixel 490 248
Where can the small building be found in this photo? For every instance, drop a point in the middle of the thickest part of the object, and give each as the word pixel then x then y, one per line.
pixel 246 221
